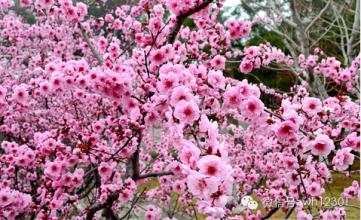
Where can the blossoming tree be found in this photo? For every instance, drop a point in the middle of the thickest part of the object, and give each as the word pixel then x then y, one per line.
pixel 130 115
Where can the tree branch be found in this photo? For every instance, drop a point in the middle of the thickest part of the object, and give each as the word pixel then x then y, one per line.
pixel 134 202
pixel 300 30
pixel 182 17
pixel 270 213
pixel 324 33
pixel 155 174
pixel 282 119
pixel 289 213
pixel 109 214
pixel 273 8
pixel 98 206
pixel 91 46
pixel 318 16
pixel 355 30
pixel 132 166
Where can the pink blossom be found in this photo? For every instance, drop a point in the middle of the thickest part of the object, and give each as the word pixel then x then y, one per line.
pixel 53 169
pixel 202 186
pixel 180 93
pixel 105 170
pixel 343 159
pixel 186 112
pixel 314 189
pixel 94 108
pixel 216 79
pixel 232 99
pixel 322 145
pixel 152 213
pixel 168 82
pixel 352 191
pixel 301 215
pixel 82 10
pixel 287 130
pixel 212 165
pixel 334 214
pixel 117 24
pixel 251 107
pixel 252 51
pixel 3 92
pixel 352 141
pixel 5 198
pixel 157 57
pixel 238 29
pixel 13 203
pixel 45 88
pixel 246 66
pixel 179 186
pixel 25 3
pixel 311 106
pixel 20 94
pixel 189 154
pixel 218 62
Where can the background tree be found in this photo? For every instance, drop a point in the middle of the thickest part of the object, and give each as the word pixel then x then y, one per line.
pixel 302 26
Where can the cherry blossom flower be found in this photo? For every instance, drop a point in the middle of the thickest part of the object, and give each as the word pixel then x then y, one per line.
pixel 352 141
pixel 212 166
pixel 352 191
pixel 218 62
pixel 251 107
pixel 216 79
pixel 20 94
pixel 157 57
pixel 301 215
pixel 343 159
pixel 314 189
pixel 322 145
pixel 287 130
pixel 180 93
pixel 232 99
pixel 186 112
pixel 311 106
pixel 53 170
pixel 246 66
pixel 202 186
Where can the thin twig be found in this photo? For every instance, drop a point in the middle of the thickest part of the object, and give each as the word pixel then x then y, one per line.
pixel 135 200
pixel 155 174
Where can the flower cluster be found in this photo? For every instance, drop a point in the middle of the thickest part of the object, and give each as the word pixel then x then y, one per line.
pixel 331 68
pixel 13 203
pixel 256 56
pixel 351 192
pixel 239 28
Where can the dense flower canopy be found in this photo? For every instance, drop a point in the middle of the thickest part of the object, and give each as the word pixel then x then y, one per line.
pixel 94 109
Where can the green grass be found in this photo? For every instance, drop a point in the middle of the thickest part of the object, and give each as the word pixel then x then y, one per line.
pixel 151 184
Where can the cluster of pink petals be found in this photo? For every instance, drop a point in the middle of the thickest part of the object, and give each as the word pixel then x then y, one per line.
pixel 13 203
pixel 256 56
pixel 331 68
pixel 336 213
pixel 238 28
pixel 322 145
pixel 343 159
pixel 352 191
